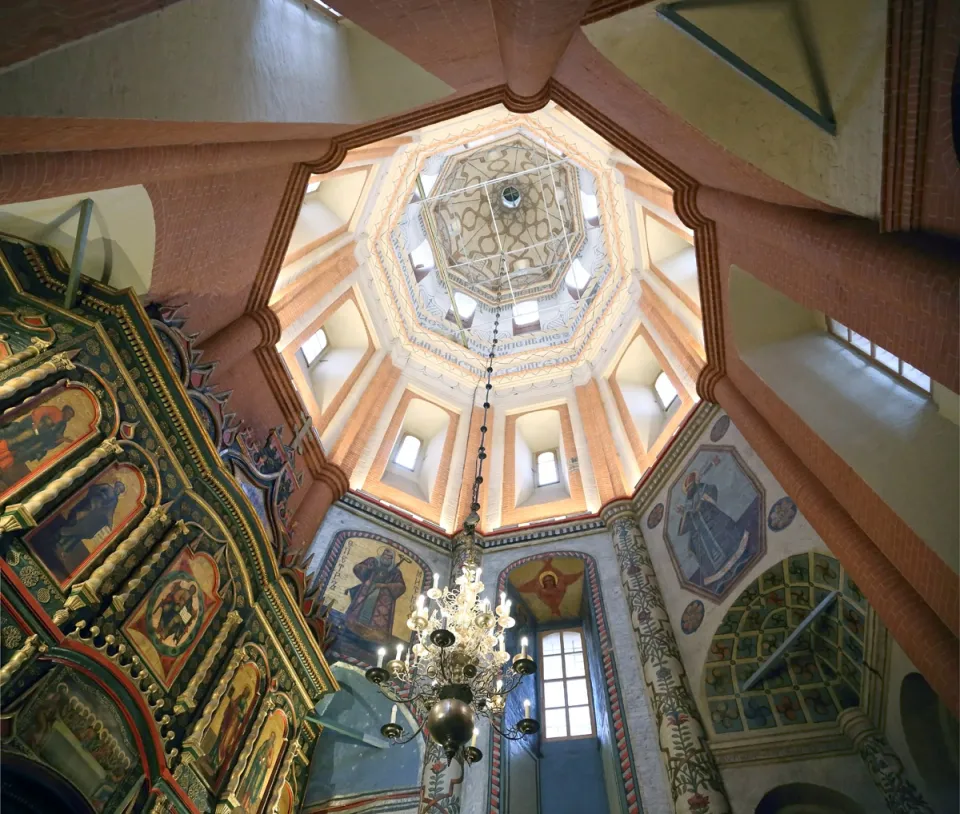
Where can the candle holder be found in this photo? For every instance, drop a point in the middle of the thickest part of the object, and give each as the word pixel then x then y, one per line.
pixel 394 665
pixel 524 665
pixel 472 754
pixel 417 622
pixel 391 731
pixel 528 726
pixel 442 638
pixel 377 675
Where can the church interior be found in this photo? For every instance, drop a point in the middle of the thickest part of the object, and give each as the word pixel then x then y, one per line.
pixel 480 406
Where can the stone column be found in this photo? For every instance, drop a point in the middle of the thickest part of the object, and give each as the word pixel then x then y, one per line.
pixel 695 782
pixel 907 297
pixel 236 341
pixel 918 630
pixel 883 764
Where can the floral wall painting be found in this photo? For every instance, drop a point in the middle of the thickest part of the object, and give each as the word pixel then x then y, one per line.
pixel 72 536
pixel 74 727
pixel 36 434
pixel 263 762
pixel 372 587
pixel 552 588
pixel 715 521
pixel 222 739
pixel 169 621
pixel 692 617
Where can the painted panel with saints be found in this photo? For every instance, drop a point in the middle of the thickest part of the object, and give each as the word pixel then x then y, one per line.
pixel 42 430
pixel 72 726
pixel 230 721
pixel 88 521
pixel 170 620
pixel 372 587
pixel 268 748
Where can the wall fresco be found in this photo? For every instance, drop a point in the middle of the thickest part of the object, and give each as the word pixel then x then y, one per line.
pixel 715 521
pixel 552 588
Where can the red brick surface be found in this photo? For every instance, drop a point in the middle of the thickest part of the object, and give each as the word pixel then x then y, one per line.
pixel 34 26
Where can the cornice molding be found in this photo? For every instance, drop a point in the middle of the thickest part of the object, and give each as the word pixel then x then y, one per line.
pixel 602 9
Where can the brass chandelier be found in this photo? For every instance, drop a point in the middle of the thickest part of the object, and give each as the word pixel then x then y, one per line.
pixel 458 667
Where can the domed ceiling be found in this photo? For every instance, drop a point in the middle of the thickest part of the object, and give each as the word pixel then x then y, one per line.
pixel 513 207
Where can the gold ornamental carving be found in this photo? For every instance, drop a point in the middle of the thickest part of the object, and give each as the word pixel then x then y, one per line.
pixel 54 364
pixel 188 699
pixel 26 653
pixel 37 346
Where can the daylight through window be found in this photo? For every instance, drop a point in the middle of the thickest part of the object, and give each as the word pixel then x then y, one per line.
pixel 465 305
pixel 313 186
pixel 666 392
pixel 547 468
pixel 407 452
pixel 892 363
pixel 526 313
pixel 577 278
pixel 565 685
pixel 314 347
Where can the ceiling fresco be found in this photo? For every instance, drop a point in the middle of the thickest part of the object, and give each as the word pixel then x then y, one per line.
pixel 552 588
pixel 493 191
pixel 511 204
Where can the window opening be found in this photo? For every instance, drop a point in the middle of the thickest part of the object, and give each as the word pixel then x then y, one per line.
pixel 565 685
pixel 547 468
pixel 578 277
pixel 887 360
pixel 666 392
pixel 526 313
pixel 313 186
pixel 465 305
pixel 314 347
pixel 407 452
pixel 327 8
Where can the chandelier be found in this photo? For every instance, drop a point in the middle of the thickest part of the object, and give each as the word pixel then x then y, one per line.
pixel 458 668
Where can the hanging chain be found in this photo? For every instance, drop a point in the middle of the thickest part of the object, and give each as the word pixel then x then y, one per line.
pixel 470 524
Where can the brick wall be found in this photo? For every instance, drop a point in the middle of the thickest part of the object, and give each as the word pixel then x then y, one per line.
pixel 607 470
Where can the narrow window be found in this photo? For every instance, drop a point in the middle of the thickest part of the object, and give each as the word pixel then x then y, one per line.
pixel 547 468
pixel 526 313
pixel 881 356
pixel 314 347
pixel 577 278
pixel 332 11
pixel 666 392
pixel 313 186
pixel 407 452
pixel 565 685
pixel 465 305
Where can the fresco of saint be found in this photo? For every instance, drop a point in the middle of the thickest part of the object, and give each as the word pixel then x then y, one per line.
pixel 550 585
pixel 373 600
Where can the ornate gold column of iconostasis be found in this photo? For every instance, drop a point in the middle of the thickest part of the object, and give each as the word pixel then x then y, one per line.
pixel 161 649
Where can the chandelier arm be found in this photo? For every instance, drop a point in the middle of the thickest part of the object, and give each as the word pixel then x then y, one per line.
pixel 413 736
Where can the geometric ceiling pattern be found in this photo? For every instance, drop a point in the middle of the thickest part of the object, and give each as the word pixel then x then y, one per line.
pixel 509 201
pixel 818 676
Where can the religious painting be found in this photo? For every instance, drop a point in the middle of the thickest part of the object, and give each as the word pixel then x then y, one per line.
pixel 255 785
pixel 552 587
pixel 93 517
pixel 373 588
pixel 171 619
pixel 73 726
pixel 715 525
pixel 43 429
pixel 222 739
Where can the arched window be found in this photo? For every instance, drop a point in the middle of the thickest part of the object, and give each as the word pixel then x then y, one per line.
pixel 577 278
pixel 892 363
pixel 314 347
pixel 547 468
pixel 666 392
pixel 565 685
pixel 408 452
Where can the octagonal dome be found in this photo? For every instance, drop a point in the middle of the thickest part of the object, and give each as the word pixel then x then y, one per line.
pixel 511 204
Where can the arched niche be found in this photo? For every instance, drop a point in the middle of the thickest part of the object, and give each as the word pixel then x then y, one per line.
pixel 552 591
pixel 826 670
pixel 121 239
pixel 537 433
pixel 331 205
pixel 429 424
pixel 806 798
pixel 347 342
pixel 932 735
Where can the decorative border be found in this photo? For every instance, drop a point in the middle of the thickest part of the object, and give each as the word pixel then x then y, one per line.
pixel 617 718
